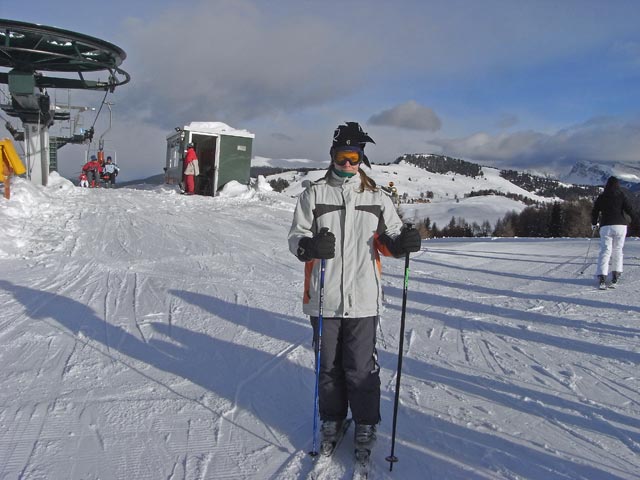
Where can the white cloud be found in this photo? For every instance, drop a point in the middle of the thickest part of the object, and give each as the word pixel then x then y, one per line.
pixel 409 115
pixel 238 63
pixel 599 139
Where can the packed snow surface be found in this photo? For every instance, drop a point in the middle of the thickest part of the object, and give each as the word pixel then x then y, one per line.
pixel 149 335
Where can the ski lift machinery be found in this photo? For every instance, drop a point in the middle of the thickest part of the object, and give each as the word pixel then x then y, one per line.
pixel 100 153
pixel 28 49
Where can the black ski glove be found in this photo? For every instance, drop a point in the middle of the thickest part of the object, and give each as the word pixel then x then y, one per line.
pixel 322 246
pixel 408 241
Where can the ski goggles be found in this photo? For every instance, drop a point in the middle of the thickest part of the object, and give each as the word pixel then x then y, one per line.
pixel 353 155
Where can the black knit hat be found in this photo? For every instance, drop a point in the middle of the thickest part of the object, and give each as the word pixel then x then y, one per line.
pixel 612 183
pixel 351 135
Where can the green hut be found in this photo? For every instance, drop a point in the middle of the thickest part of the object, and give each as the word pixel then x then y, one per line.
pixel 224 154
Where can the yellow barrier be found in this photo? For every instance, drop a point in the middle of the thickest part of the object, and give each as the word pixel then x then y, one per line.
pixel 10 164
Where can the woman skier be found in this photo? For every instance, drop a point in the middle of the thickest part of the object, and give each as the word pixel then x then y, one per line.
pixel 362 223
pixel 611 206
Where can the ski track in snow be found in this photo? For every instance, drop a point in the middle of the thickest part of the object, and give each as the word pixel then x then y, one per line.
pixel 150 335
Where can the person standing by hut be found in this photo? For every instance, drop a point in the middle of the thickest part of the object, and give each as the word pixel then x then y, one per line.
pixel 191 169
pixel 608 213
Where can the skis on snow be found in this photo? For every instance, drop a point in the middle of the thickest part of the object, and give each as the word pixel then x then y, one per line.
pixel 327 449
pixel 361 460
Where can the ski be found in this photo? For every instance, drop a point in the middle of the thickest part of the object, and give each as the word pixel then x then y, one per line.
pixel 362 462
pixel 364 442
pixel 327 449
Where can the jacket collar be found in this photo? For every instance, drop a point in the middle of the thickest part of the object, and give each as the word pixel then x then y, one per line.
pixel 334 180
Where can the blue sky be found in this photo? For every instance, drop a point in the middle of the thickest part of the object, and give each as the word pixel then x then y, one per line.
pixel 531 85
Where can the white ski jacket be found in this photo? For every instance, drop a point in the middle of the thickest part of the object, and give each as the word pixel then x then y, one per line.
pixel 352 286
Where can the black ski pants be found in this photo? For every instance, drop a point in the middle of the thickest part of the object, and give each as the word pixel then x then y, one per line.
pixel 349 370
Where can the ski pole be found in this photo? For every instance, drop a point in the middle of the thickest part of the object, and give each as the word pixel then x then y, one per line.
pixel 323 262
pixel 392 458
pixel 585 266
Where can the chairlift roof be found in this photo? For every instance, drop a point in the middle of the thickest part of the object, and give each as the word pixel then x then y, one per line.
pixel 214 128
pixel 29 47
pixel 39 47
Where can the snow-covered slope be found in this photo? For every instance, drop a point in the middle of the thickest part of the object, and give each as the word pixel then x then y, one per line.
pixel 448 191
pixel 592 173
pixel 148 335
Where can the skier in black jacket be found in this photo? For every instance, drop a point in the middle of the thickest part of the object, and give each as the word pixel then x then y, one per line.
pixel 611 206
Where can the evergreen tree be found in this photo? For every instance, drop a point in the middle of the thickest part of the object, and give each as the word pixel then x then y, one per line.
pixel 555 220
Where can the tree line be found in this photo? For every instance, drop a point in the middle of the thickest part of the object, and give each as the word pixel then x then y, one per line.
pixel 547 220
pixel 442 164
pixel 548 187
pixel 541 186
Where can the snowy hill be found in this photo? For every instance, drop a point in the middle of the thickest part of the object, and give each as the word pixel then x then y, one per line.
pixel 424 194
pixel 149 335
pixel 446 191
pixel 592 173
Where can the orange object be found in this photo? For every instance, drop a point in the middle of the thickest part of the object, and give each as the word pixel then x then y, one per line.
pixel 343 156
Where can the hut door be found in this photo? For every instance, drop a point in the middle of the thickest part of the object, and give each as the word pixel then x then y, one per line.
pixel 206 146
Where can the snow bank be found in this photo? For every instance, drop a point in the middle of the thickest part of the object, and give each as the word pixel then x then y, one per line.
pixel 219 128
pixel 28 204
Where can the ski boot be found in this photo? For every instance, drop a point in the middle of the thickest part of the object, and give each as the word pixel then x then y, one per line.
pixel 365 434
pixel 602 279
pixel 365 438
pixel 615 276
pixel 332 432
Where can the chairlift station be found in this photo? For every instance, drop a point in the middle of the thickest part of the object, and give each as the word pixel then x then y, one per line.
pixel 29 49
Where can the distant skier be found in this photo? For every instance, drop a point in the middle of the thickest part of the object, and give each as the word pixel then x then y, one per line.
pixel 611 206
pixel 191 169
pixel 362 223
pixel 110 172
pixel 93 169
pixel 83 180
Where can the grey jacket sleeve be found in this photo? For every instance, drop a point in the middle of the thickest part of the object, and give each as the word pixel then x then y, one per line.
pixel 392 221
pixel 303 220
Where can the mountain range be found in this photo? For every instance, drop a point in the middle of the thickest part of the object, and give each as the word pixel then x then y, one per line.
pixel 439 187
pixel 592 173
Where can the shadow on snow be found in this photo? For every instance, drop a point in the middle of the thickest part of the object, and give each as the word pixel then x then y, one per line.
pixel 223 367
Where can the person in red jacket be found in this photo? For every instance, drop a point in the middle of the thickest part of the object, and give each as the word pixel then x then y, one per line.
pixel 83 180
pixel 191 169
pixel 92 168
